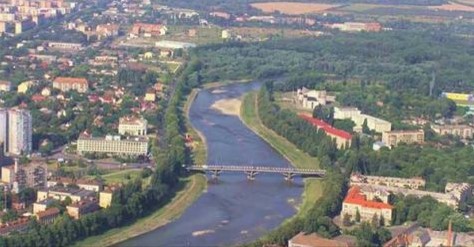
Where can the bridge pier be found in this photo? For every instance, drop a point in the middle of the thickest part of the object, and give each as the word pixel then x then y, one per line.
pixel 251 175
pixel 288 176
pixel 215 174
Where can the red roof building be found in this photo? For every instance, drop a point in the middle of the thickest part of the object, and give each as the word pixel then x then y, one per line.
pixel 366 204
pixel 343 138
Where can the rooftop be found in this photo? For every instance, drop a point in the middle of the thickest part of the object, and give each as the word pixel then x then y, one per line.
pixel 48 212
pixel 71 80
pixel 355 196
pixel 326 127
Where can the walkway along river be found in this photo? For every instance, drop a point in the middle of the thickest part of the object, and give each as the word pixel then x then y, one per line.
pixel 233 210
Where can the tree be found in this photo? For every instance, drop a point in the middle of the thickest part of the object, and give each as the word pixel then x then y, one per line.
pixel 365 127
pixel 375 221
pixel 346 220
pixel 381 221
pixel 357 217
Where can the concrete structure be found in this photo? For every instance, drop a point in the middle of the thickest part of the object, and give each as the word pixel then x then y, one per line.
pixel 133 126
pixel 18 131
pixel 112 145
pixel 343 139
pixel 393 138
pixel 41 206
pixel 461 191
pixel 65 84
pixel 80 208
pixel 147 30
pixel 5 86
pixel 4 129
pixel 107 30
pixel 357 26
pixel 25 86
pixel 375 124
pixel 314 240
pixel 309 99
pixel 461 130
pixel 358 200
pixel 48 216
pixel 91 185
pixel 412 183
pixel 61 193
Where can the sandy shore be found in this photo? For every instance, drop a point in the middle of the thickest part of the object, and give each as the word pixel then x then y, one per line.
pixel 228 106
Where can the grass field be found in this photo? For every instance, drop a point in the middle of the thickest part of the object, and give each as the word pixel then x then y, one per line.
pixel 293 8
pixel 193 186
pixel 121 176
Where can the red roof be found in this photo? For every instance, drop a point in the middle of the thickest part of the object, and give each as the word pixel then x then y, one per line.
pixel 320 124
pixel 355 196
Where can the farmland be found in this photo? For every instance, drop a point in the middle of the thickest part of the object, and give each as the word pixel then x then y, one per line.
pixel 293 8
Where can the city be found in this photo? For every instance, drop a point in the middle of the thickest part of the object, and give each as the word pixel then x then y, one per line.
pixel 236 123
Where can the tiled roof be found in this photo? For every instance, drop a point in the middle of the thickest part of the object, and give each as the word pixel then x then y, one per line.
pixel 355 196
pixel 71 80
pixel 320 124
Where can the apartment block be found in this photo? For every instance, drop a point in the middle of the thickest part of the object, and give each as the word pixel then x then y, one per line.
pixel 113 145
pixel 393 138
pixel 354 114
pixel 61 193
pixel 459 130
pixel 66 84
pixel 91 185
pixel 20 131
pixel 412 183
pixel 32 175
pixel 343 139
pixel 81 208
pixel 309 99
pixel 365 204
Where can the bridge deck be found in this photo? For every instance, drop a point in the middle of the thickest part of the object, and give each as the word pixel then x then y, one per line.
pixel 259 169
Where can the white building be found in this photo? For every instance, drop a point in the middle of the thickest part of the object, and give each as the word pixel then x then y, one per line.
pixel 376 124
pixel 309 99
pixel 3 128
pixel 112 145
pixel 133 126
pixel 20 131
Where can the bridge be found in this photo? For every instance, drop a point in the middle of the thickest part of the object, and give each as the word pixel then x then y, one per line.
pixel 252 171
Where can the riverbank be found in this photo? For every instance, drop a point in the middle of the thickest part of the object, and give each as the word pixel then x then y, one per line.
pixel 313 187
pixel 194 185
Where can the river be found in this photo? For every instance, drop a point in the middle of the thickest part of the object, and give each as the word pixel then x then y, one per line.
pixel 233 210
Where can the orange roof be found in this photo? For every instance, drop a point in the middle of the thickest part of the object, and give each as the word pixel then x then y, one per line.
pixel 71 80
pixel 315 240
pixel 355 196
pixel 48 212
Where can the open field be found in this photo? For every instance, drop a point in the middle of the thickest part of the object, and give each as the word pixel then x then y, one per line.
pixel 123 176
pixel 453 7
pixel 194 185
pixel 293 8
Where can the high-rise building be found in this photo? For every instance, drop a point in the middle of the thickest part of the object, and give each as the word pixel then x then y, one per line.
pixel 19 131
pixel 3 128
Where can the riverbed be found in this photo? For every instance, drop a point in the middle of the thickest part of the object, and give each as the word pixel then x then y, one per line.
pixel 233 210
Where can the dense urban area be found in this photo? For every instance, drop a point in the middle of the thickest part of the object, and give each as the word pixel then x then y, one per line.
pixel 370 101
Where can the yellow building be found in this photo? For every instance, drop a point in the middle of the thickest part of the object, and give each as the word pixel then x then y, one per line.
pixel 25 86
pixel 150 96
pixel 148 55
pixel 105 198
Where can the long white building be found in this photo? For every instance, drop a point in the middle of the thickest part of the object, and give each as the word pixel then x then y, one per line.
pixel 112 145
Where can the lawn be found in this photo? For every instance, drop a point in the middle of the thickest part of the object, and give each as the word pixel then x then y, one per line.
pixel 121 176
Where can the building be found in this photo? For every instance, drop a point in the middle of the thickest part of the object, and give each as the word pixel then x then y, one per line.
pixel 365 204
pixel 65 46
pixel 91 185
pixel 133 126
pixel 393 138
pixel 61 193
pixel 20 131
pixel 357 26
pixel 174 44
pixel 107 30
pixel 48 216
pixel 105 198
pixel 150 95
pixel 25 86
pixel 459 130
pixel 31 175
pixel 5 86
pixel 354 114
pixel 461 99
pixel 309 99
pixel 42 205
pixel 462 191
pixel 147 30
pixel 19 225
pixel 412 183
pixel 65 84
pixel 343 139
pixel 112 145
pixel 314 240
pixel 80 208
pixel 4 129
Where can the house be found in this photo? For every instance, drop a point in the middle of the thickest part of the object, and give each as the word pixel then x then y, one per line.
pixel 5 86
pixel 309 99
pixel 25 86
pixel 148 30
pixel 166 53
pixel 150 95
pixel 48 216
pixel 46 92
pixel 83 207
pixel 107 30
pixel 42 205
pixel 65 84
pixel 343 139
pixel 106 196
pixel 365 204
pixel 315 240
pixel 133 126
